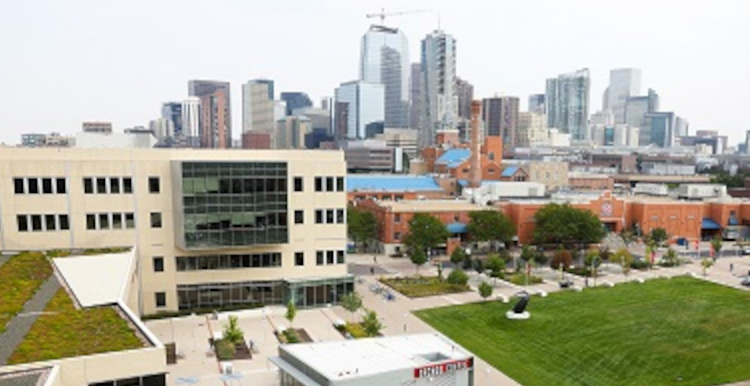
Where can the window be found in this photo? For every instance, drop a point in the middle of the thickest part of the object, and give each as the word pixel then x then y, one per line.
pixel 88 186
pixel 153 185
pixel 329 216
pixel 129 221
pixel 318 184
pixel 397 236
pixel 47 185
pixel 339 216
pixel 114 185
pixel 319 216
pixel 158 264
pixel 329 257
pixel 155 219
pixel 319 258
pixel 101 185
pixel 116 220
pixel 33 186
pixel 397 218
pixel 127 185
pixel 36 222
pixel 339 257
pixel 299 259
pixel 63 220
pixel 60 185
pixel 23 223
pixel 161 299
pixel 329 184
pixel 299 217
pixel 90 222
pixel 103 220
pixel 339 184
pixel 49 222
pixel 298 187
pixel 19 186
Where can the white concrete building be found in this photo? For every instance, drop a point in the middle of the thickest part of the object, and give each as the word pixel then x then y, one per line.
pixel 438 86
pixel 532 130
pixel 258 106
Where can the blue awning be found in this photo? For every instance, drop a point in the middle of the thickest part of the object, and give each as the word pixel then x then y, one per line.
pixel 709 224
pixel 456 227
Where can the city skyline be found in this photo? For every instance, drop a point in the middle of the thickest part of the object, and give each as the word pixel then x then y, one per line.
pixel 95 57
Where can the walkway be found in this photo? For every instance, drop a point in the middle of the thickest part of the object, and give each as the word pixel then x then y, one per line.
pixel 20 325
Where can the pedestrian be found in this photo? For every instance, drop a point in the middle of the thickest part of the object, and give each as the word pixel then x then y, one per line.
pixel 372 271
pixel 586 281
pixel 731 267
pixel 374 259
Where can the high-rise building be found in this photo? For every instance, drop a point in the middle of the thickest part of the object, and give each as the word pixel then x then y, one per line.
pixel 172 112
pixel 97 127
pixel 659 129
pixel 295 100
pixel 216 112
pixel 258 106
pixel 191 115
pixel 500 116
pixel 567 104
pixel 532 129
pixel 291 132
pixel 384 59
pixel 623 84
pixel 365 106
pixel 465 94
pixel 439 99
pixel 636 108
pixel 340 121
pixel 536 103
pixel 415 95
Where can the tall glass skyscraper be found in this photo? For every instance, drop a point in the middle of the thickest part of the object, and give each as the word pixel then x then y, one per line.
pixel 365 107
pixel 567 104
pixel 623 84
pixel 439 98
pixel 384 59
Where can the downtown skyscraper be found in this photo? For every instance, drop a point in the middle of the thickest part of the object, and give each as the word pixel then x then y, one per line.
pixel 567 104
pixel 384 59
pixel 216 112
pixel 623 84
pixel 439 99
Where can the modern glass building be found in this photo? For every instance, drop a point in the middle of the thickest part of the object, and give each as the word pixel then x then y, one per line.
pixel 439 97
pixel 366 105
pixel 567 104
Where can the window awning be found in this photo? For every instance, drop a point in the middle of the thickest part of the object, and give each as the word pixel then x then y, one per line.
pixel 708 224
pixel 456 227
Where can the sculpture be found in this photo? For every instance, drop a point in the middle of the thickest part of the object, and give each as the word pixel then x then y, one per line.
pixel 519 310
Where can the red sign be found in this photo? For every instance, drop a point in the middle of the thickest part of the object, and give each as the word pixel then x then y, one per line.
pixel 443 368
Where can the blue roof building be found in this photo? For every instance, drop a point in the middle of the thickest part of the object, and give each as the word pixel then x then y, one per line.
pixel 453 158
pixel 390 183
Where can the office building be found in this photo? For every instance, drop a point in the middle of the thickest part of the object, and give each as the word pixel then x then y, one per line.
pixel 216 113
pixel 46 140
pixel 536 103
pixel 405 139
pixel 636 108
pixel 659 129
pixel 500 117
pixel 294 100
pixel 439 99
pixel 567 104
pixel 258 106
pixel 291 132
pixel 384 59
pixel 172 112
pixel 623 84
pixel 210 228
pixel 415 96
pixel 97 127
pixel 340 121
pixel 365 106
pixel 532 129
pixel 191 121
pixel 320 118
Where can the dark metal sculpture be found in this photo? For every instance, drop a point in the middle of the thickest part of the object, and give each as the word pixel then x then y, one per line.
pixel 520 307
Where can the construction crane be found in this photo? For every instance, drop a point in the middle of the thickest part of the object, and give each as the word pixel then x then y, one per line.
pixel 382 15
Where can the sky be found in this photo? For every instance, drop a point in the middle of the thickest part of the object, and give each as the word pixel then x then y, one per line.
pixel 65 62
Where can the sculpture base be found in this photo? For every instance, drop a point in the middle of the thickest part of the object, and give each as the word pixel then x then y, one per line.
pixel 514 316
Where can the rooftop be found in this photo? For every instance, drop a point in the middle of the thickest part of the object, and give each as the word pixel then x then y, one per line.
pixel 366 357
pixel 390 183
pixel 453 158
pixel 430 206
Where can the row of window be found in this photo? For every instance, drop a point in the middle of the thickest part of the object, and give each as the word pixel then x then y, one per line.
pixel 116 185
pixel 42 222
pixel 102 221
pixel 197 263
pixel 329 257
pixel 329 216
pixel 329 184
pixel 45 185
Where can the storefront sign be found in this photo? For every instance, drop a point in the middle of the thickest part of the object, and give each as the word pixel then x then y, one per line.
pixel 443 368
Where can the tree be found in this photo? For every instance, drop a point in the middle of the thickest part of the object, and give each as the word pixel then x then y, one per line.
pixel 418 257
pixel 628 237
pixel 485 290
pixel 540 258
pixel 624 258
pixel 670 258
pixel 706 264
pixel 291 312
pixel 527 253
pixel 351 302
pixel 232 331
pixel 564 224
pixel 562 259
pixel 362 226
pixel 458 276
pixel 458 256
pixel 716 244
pixel 659 235
pixel 496 265
pixel 490 225
pixel 593 258
pixel 425 232
pixel 371 324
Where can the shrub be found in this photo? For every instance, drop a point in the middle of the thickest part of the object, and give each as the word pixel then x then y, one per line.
pixel 580 271
pixel 640 264
pixel 458 256
pixel 496 265
pixel 225 349
pixel 485 290
pixel 520 279
pixel 479 265
pixel 562 258
pixel 540 258
pixel 371 324
pixel 232 332
pixel 291 336
pixel 458 276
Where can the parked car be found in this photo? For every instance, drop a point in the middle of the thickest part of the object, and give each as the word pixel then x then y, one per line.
pixel 746 250
pixel 746 281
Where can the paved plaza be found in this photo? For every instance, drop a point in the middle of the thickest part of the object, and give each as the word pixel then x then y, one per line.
pixel 197 365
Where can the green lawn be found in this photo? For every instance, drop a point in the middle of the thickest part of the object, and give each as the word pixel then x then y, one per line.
pixel 20 277
pixel 420 286
pixel 636 334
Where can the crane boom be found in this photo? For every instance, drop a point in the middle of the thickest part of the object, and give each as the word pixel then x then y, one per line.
pixel 382 14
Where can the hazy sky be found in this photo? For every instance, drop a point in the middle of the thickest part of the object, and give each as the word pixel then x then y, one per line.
pixel 63 62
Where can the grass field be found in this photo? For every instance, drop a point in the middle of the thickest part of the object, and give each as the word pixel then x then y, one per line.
pixel 637 334
pixel 420 286
pixel 20 277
